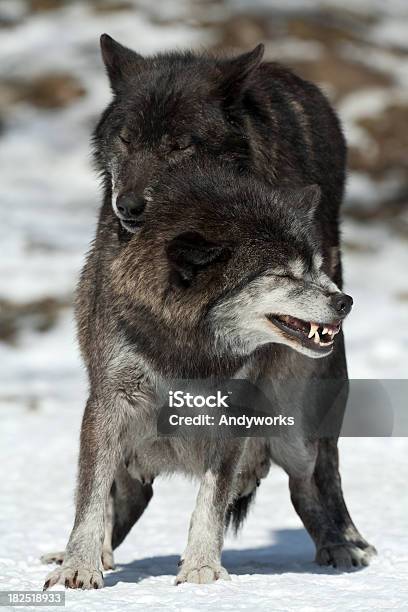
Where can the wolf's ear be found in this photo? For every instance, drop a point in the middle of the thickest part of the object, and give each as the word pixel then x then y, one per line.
pixel 307 200
pixel 119 61
pixel 190 252
pixel 237 71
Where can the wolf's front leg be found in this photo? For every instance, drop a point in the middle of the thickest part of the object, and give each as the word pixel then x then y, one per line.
pixel 107 551
pixel 202 558
pixel 103 425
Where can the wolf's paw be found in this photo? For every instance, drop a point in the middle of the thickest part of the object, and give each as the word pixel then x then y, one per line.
pixel 370 550
pixel 75 576
pixel 58 558
pixel 345 556
pixel 203 574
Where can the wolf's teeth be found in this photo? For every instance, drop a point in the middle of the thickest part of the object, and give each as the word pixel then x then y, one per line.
pixel 313 330
pixel 317 338
pixel 325 330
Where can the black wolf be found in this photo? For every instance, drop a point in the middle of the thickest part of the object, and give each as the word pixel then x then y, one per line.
pixel 192 243
pixel 258 117
pixel 232 284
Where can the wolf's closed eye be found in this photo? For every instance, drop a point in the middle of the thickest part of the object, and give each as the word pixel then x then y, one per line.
pixel 180 150
pixel 181 144
pixel 183 147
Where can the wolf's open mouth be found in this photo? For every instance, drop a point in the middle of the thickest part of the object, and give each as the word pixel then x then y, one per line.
pixel 131 225
pixel 316 336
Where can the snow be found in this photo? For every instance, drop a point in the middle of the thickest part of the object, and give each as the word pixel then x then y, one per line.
pixel 49 198
pixel 375 276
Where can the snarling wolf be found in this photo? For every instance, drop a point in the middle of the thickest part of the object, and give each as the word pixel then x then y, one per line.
pixel 217 256
pixel 232 284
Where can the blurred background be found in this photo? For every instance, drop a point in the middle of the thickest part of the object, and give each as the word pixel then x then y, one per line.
pixel 53 88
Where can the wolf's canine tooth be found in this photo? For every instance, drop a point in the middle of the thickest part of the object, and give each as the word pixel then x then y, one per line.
pixel 313 330
pixel 317 337
pixel 325 330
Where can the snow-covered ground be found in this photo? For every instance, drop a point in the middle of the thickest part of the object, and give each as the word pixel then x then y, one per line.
pixel 271 562
pixel 48 205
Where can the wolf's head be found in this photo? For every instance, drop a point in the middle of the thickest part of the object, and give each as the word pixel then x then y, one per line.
pixel 165 109
pixel 229 265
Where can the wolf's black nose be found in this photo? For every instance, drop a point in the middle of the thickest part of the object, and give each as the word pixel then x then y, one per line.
pixel 130 205
pixel 342 303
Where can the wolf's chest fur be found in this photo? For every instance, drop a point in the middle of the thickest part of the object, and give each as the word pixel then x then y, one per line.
pixel 148 455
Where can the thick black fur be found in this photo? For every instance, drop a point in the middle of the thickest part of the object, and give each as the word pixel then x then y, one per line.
pixel 238 511
pixel 259 117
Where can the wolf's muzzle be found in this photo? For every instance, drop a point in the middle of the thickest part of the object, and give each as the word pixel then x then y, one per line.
pixel 129 209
